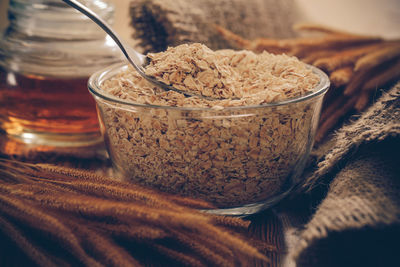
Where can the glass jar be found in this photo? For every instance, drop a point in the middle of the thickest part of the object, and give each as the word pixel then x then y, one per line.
pixel 47 54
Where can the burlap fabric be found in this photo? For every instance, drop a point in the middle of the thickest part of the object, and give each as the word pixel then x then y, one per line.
pixel 357 182
pixel 159 23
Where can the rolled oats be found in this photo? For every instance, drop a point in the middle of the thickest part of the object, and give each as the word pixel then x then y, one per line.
pixel 231 151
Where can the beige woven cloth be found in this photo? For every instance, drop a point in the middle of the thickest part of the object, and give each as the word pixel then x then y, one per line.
pixel 351 203
pixel 162 23
pixel 354 193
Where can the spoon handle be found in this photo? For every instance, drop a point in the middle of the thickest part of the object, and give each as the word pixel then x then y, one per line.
pixel 136 59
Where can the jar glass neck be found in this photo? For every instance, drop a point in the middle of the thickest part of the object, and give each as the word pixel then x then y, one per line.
pixel 55 19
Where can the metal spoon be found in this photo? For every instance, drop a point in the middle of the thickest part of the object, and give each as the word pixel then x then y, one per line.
pixel 137 60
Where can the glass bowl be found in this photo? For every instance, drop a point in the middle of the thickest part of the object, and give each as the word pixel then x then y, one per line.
pixel 241 159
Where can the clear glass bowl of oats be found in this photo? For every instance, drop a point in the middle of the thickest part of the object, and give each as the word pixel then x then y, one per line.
pixel 240 155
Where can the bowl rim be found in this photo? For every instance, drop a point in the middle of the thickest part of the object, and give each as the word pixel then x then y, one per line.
pixel 96 79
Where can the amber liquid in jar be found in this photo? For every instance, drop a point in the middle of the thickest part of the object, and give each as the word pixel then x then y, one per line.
pixel 35 104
